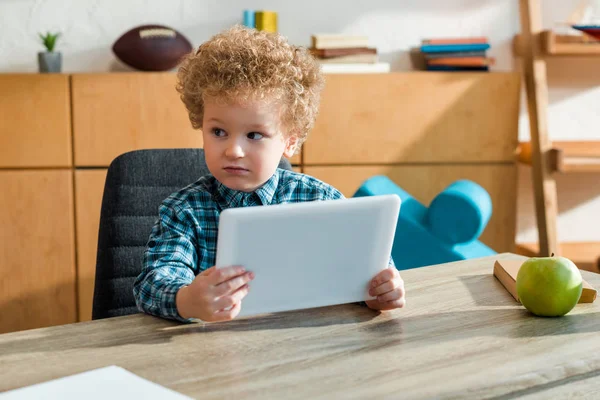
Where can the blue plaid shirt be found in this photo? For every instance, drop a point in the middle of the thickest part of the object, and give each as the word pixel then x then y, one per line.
pixel 183 240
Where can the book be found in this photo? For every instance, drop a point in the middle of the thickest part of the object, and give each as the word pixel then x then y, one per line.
pixel 450 68
pixel 462 61
pixel 338 41
pixel 432 56
pixel 457 40
pixel 351 58
pixel 111 382
pixel 356 68
pixel 337 52
pixel 506 272
pixel 441 48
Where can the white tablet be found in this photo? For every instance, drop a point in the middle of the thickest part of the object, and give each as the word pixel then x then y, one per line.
pixel 309 254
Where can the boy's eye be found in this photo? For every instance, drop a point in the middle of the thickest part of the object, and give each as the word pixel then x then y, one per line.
pixel 255 136
pixel 218 132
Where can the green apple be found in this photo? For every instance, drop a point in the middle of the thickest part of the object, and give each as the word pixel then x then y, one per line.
pixel 549 286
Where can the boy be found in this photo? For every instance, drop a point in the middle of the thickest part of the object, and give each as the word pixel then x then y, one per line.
pixel 255 97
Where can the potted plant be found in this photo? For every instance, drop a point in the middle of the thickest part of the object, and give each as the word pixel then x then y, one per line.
pixel 49 60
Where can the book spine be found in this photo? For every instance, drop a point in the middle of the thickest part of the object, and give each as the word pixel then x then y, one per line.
pixel 471 40
pixel 454 48
pixel 337 52
pixel 455 68
pixel 433 56
pixel 466 61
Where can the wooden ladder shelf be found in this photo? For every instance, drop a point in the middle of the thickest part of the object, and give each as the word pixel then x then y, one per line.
pixel 533 46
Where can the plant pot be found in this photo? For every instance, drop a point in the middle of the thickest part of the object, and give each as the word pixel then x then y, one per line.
pixel 50 61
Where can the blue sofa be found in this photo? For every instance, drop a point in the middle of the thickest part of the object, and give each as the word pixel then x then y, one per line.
pixel 447 230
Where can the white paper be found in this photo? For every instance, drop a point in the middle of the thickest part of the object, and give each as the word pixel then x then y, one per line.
pixel 111 382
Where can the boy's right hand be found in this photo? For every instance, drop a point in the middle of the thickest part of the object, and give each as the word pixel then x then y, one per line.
pixel 215 294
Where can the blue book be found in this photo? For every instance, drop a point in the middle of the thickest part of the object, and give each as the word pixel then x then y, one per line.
pixel 441 48
pixel 249 19
pixel 456 68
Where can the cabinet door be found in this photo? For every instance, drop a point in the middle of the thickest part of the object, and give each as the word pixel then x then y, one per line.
pixel 117 113
pixel 37 249
pixel 89 187
pixel 35 115
pixel 424 182
pixel 410 117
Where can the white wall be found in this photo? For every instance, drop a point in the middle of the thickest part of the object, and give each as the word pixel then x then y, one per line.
pixel 91 27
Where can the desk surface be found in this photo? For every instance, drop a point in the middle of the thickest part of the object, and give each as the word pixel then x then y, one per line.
pixel 460 335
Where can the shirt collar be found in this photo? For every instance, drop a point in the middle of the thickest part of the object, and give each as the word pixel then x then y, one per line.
pixel 229 198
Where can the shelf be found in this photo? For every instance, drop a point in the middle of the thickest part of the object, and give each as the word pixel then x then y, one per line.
pixel 567 156
pixel 586 255
pixel 551 44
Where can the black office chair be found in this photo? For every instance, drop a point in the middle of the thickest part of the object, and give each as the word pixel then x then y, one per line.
pixel 136 183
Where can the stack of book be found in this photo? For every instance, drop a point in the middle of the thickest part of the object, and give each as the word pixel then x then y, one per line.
pixel 456 54
pixel 345 53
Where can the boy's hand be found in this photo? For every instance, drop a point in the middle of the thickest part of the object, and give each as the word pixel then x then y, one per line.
pixel 388 286
pixel 215 294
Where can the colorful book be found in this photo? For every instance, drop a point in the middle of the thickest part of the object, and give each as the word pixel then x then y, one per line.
pixel 447 48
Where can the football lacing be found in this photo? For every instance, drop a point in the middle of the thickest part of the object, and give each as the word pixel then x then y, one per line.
pixel 145 33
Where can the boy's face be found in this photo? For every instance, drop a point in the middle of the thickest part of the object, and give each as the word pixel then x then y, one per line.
pixel 244 144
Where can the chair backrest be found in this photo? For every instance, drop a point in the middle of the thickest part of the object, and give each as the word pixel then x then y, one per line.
pixel 136 183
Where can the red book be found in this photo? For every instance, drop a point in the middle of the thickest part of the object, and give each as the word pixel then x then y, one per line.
pixel 462 61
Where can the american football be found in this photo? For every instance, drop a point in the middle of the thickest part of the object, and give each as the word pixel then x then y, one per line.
pixel 152 48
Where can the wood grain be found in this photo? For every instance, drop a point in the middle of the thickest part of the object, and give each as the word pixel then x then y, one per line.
pixel 566 157
pixel 534 73
pixel 35 112
pixel 558 45
pixel 461 335
pixel 416 117
pixel 37 249
pixel 424 182
pixel 117 113
pixel 584 254
pixel 89 188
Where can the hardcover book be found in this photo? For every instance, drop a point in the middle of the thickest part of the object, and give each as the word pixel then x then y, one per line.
pixel 506 272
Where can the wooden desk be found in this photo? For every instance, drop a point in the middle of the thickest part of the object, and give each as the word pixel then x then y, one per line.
pixel 461 335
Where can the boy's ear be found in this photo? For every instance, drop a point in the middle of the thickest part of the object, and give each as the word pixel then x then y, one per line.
pixel 290 146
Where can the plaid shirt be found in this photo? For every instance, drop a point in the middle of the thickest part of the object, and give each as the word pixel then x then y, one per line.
pixel 183 240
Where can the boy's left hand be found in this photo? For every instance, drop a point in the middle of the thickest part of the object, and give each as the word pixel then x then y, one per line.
pixel 388 286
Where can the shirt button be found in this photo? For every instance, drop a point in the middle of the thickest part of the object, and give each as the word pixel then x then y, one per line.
pixel 151 244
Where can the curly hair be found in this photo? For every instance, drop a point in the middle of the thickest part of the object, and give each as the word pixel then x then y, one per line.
pixel 244 64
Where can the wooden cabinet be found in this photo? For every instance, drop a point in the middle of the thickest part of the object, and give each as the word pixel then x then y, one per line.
pixel 61 132
pixel 424 182
pixel 37 249
pixel 416 117
pixel 35 127
pixel 116 113
pixel 89 188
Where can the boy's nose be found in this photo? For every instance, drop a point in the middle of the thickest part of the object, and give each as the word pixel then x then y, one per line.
pixel 234 151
